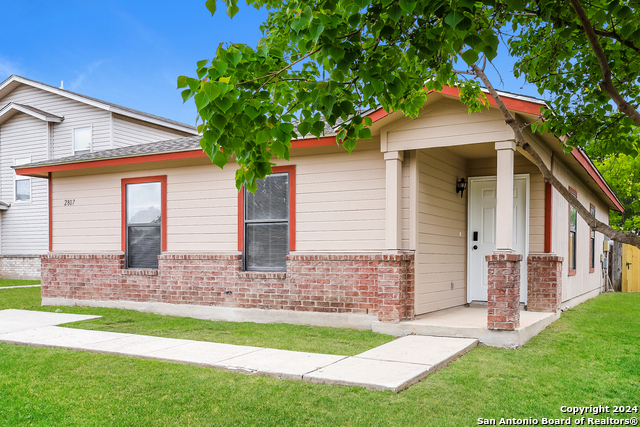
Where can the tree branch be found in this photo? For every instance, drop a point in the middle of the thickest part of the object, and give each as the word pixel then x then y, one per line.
pixel 629 238
pixel 607 84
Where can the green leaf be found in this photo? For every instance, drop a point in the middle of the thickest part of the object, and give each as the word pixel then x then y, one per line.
pixel 212 90
pixel 211 5
pixel 394 13
pixel 202 100
pixel 186 94
pixel 223 103
pixel 219 159
pixel 252 112
pixel 315 31
pixel 470 56
pixel 263 136
pixel 365 133
pixel 408 5
pixel 454 18
pixel 220 66
pixel 303 128
pixel 202 63
pixel 219 121
pixel 368 121
pixel 234 57
pixel 278 148
pixel 231 11
pixel 182 82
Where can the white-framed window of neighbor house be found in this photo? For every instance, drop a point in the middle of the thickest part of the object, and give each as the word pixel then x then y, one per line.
pixel 82 140
pixel 21 184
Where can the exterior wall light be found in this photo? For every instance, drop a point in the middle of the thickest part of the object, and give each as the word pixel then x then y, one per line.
pixel 460 187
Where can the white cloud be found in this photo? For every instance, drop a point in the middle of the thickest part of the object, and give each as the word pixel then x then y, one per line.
pixel 77 82
pixel 8 67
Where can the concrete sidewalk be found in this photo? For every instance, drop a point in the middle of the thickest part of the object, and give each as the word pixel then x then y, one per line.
pixel 393 366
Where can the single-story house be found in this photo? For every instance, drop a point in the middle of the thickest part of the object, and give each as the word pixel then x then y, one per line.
pixel 431 213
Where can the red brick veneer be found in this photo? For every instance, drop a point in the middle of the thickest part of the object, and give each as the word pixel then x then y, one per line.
pixel 544 277
pixel 503 291
pixel 356 284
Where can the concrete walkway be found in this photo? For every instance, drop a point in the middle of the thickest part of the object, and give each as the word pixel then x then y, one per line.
pixel 20 286
pixel 393 366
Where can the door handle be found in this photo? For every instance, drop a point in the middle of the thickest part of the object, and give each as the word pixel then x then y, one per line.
pixel 475 247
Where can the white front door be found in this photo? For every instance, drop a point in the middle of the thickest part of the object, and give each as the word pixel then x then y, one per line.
pixel 482 232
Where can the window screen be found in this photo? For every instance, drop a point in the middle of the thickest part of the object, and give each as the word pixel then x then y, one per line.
pixel 82 140
pixel 144 224
pixel 22 184
pixel 266 225
pixel 573 224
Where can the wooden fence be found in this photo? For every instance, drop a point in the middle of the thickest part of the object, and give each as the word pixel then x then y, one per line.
pixel 630 269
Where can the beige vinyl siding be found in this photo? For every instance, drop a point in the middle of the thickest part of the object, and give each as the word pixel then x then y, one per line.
pixel 447 123
pixel 442 218
pixel 24 224
pixel 340 206
pixel 127 131
pixel 201 210
pixel 583 281
pixel 487 167
pixel 340 201
pixel 76 114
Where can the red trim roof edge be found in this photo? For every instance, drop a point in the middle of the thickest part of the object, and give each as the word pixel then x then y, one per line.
pixel 588 165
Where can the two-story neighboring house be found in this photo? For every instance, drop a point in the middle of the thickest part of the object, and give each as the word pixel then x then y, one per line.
pixel 40 122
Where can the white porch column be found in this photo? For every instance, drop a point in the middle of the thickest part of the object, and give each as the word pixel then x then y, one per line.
pixel 504 196
pixel 393 160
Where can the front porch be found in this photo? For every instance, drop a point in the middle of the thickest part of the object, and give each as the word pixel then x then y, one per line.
pixel 470 322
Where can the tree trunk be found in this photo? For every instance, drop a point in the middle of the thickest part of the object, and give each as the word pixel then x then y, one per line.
pixel 618 236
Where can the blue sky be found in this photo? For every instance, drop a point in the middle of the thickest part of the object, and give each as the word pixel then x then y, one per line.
pixel 131 52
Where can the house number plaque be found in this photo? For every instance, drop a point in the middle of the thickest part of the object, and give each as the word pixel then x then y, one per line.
pixel 69 202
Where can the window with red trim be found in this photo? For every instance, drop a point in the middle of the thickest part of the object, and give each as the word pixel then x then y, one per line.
pixel 592 244
pixel 144 232
pixel 266 220
pixel 573 231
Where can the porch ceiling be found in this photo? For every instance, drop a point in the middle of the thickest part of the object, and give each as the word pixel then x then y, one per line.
pixel 474 151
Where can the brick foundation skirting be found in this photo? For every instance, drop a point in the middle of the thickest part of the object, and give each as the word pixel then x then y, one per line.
pixel 20 267
pixel 544 287
pixel 373 284
pixel 503 299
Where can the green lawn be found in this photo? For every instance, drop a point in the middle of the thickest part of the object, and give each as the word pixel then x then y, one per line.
pixel 11 282
pixel 591 356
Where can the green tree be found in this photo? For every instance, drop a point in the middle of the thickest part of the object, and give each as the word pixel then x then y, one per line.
pixel 326 60
pixel 622 172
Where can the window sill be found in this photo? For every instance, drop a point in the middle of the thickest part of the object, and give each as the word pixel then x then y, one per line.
pixel 572 273
pixel 592 270
pixel 262 274
pixel 139 272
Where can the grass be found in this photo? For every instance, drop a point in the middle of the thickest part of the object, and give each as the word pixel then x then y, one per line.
pixel 590 356
pixel 11 282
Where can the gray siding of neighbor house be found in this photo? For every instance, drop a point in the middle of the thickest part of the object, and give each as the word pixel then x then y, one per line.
pixel 127 131
pixel 24 225
pixel 76 114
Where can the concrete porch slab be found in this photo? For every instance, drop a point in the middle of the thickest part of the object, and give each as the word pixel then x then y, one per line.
pixel 372 374
pixel 280 364
pixel 12 320
pixel 469 322
pixel 433 351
